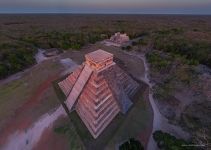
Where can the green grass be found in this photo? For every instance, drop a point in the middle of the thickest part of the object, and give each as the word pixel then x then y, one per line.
pixel 120 129
pixel 58 90
pixel 135 121
pixel 68 130
pixel 12 95
pixel 15 93
pixel 5 90
pixel 166 141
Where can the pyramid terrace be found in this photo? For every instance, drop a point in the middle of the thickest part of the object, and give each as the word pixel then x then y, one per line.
pixel 98 90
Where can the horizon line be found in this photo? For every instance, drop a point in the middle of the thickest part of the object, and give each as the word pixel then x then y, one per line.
pixel 91 13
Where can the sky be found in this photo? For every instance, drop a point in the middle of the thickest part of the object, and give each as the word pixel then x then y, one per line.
pixel 107 6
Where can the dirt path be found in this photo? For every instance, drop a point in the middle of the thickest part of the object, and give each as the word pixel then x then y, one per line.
pixel 40 56
pixel 33 121
pixel 35 98
pixel 51 140
pixel 159 121
pixel 29 138
pixel 145 135
pixel 23 117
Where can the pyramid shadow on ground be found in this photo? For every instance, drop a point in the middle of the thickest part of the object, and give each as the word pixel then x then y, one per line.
pixel 101 142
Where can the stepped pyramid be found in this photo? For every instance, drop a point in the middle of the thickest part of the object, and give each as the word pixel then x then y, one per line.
pixel 98 90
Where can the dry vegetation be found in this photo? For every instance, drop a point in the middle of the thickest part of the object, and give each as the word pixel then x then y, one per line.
pixel 182 92
pixel 24 33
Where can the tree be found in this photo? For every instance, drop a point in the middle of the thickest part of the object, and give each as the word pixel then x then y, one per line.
pixel 3 71
pixel 131 144
pixel 166 141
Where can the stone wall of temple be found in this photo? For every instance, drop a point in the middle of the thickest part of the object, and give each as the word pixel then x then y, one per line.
pixel 119 38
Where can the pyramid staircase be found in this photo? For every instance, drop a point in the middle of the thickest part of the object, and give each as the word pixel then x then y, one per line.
pixel 78 86
pixel 128 84
pixel 97 106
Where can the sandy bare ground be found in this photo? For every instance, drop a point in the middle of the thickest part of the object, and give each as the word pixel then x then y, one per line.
pixel 51 140
pixel 28 138
pixel 68 64
pixel 23 118
pixel 22 131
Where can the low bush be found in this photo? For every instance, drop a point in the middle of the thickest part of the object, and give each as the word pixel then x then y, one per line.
pixel 131 144
pixel 166 141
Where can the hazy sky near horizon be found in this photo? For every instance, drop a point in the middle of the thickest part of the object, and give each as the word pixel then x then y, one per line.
pixel 107 6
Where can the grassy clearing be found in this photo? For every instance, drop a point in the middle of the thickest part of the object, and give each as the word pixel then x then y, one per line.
pixel 73 139
pixel 11 96
pixel 120 129
pixel 58 90
pixel 15 93
pixel 136 121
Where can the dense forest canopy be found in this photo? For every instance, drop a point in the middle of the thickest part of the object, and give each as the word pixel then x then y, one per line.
pixel 21 35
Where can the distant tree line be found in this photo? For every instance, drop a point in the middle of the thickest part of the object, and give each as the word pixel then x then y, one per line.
pixel 172 41
pixel 14 58
pixel 64 40
pixel 18 55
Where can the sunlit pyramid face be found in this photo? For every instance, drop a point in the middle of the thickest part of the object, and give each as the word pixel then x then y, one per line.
pixel 98 90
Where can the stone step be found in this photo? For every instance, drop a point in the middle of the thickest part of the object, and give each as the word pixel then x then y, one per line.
pixel 129 88
pixel 105 113
pixel 90 103
pixel 64 87
pixel 86 120
pixel 92 99
pixel 71 79
pixel 78 86
pixel 108 104
pixel 67 86
pixel 87 111
pixel 106 120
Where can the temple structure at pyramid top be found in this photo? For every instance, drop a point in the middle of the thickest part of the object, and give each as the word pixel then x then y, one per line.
pixel 99 59
pixel 98 90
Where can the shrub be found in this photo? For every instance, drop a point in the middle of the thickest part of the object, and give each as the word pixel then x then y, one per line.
pixel 128 47
pixel 131 144
pixel 157 60
pixel 3 71
pixel 166 141
pixel 62 130
pixel 134 43
pixel 194 52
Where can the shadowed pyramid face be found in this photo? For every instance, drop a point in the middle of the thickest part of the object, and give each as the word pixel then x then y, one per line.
pixel 99 59
pixel 98 90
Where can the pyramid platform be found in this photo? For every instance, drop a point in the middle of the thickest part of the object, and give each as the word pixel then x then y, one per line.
pixel 98 90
